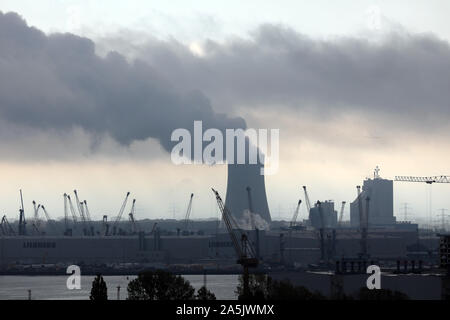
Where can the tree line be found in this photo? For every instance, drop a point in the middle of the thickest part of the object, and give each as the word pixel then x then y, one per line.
pixel 163 285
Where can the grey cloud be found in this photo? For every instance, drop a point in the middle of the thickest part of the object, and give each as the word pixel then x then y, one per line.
pixel 58 83
pixel 402 75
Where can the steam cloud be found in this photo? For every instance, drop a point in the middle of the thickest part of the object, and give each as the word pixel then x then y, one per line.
pixel 245 222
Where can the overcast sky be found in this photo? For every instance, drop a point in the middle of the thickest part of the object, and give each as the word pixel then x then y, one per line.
pixel 90 91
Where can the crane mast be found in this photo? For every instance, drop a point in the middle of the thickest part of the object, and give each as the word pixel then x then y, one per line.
pixel 134 226
pixel 308 203
pixel 2 228
pixel 6 227
pixel 341 213
pixel 81 213
pixel 244 249
pixel 72 211
pixel 67 230
pixel 88 216
pixel 36 221
pixel 119 215
pixel 36 209
pixel 49 220
pixel 428 180
pixel 294 218
pixel 188 213
pixel 22 223
pixel 153 228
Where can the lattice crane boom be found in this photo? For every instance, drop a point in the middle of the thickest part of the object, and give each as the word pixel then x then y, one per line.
pixel 80 207
pixel 6 227
pixel 88 216
pixel 47 217
pixel 188 212
pixel 244 251
pixel 119 215
pixel 134 225
pixel 428 180
pixel 308 203
pixel 341 213
pixel 72 210
pixel 294 217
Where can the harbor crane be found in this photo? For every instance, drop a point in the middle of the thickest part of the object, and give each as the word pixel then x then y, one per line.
pixel 36 216
pixel 88 216
pixel 153 228
pixel 188 213
pixel 22 222
pixel 36 221
pixel 341 214
pixel 244 250
pixel 72 211
pixel 119 215
pixel 81 213
pixel 47 217
pixel 294 218
pixel 308 203
pixel 6 228
pixel 428 180
pixel 67 229
pixel 4 232
pixel 133 222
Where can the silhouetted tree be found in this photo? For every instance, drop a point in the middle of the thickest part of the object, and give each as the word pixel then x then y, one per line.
pixel 205 294
pixel 160 285
pixel 99 291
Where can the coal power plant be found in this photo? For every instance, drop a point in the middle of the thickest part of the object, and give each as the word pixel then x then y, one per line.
pixel 245 236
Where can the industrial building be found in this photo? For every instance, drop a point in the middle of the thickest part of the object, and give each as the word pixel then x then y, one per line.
pixel 323 210
pixel 379 193
pixel 297 247
pixel 322 240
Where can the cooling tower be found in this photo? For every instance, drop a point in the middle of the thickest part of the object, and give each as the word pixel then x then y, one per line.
pixel 241 176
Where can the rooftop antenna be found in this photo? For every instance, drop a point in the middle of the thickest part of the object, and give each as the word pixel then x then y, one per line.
pixel 376 173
